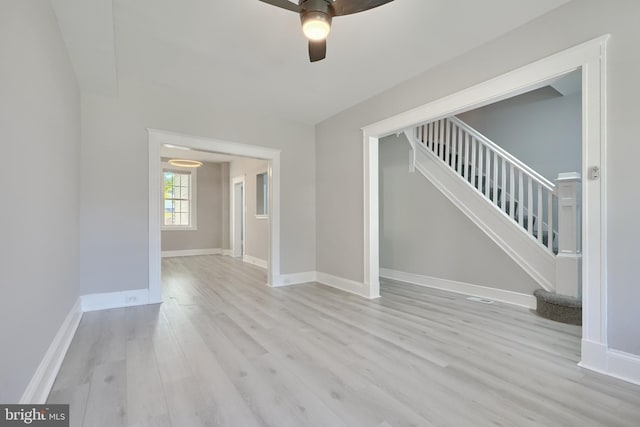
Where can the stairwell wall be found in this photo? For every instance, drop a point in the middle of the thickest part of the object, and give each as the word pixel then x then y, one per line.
pixel 422 232
pixel 339 146
pixel 542 128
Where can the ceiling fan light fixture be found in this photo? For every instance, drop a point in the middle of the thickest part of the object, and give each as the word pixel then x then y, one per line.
pixel 184 163
pixel 316 25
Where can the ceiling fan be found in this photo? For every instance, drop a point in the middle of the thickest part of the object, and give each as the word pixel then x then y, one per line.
pixel 316 16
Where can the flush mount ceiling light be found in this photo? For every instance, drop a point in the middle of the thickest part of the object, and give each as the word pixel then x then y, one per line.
pixel 184 163
pixel 316 16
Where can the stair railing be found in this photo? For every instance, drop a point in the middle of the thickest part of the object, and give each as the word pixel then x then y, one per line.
pixel 525 196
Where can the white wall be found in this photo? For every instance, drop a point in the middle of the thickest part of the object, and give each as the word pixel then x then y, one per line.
pixel 422 232
pixel 339 147
pixel 114 242
pixel 542 128
pixel 40 139
pixel 256 233
pixel 209 213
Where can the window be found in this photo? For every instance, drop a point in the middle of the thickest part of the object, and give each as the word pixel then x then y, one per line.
pixel 262 195
pixel 178 203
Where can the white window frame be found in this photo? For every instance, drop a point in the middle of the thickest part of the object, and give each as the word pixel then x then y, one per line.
pixel 193 204
pixel 265 195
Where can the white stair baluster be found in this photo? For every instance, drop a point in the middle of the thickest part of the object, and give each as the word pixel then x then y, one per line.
pixel 539 220
pixel 459 151
pixel 495 178
pixel 529 206
pixel 447 141
pixel 428 135
pixel 550 221
pixel 520 198
pixel 473 161
pixel 432 135
pixel 465 169
pixel 512 191
pixel 440 138
pixel 480 166
pixel 503 195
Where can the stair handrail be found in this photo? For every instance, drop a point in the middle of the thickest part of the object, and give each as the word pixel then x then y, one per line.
pixel 505 154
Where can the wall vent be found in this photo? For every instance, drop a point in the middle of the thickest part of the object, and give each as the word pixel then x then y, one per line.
pixel 482 300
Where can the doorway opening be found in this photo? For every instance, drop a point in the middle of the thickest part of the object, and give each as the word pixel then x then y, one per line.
pixel 590 57
pixel 270 157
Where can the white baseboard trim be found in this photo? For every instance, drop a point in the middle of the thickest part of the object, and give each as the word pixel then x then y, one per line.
pixel 509 297
pixel 343 284
pixel 106 301
pixel 294 279
pixel 227 252
pixel 40 385
pixel 254 261
pixel 618 364
pixel 191 252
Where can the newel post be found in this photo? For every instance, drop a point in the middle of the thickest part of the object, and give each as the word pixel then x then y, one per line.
pixel 568 260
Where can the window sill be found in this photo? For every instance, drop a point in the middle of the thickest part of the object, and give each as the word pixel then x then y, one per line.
pixel 262 216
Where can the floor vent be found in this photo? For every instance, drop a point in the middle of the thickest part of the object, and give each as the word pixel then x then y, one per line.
pixel 482 300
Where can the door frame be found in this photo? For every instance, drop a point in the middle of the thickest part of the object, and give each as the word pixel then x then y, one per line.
pixel 158 138
pixel 590 57
pixel 234 182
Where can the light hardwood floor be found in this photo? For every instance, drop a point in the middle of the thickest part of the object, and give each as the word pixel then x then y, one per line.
pixel 223 349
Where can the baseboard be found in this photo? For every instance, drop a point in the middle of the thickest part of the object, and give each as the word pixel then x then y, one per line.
pixel 509 297
pixel 106 301
pixel 254 261
pixel 40 385
pixel 191 252
pixel 227 252
pixel 343 284
pixel 294 279
pixel 614 363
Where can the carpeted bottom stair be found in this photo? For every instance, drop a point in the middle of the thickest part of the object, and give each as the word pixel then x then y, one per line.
pixel 560 308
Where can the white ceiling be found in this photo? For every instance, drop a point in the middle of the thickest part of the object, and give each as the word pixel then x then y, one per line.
pixel 252 56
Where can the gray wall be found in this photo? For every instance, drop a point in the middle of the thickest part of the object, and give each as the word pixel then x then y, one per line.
pixel 256 236
pixel 209 213
pixel 114 243
pixel 542 128
pixel 339 151
pixel 40 134
pixel 422 232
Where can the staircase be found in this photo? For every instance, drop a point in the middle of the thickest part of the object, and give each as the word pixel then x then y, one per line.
pixel 515 206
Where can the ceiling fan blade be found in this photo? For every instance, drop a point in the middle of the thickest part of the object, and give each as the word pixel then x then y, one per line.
pixel 347 7
pixel 317 50
pixel 284 4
